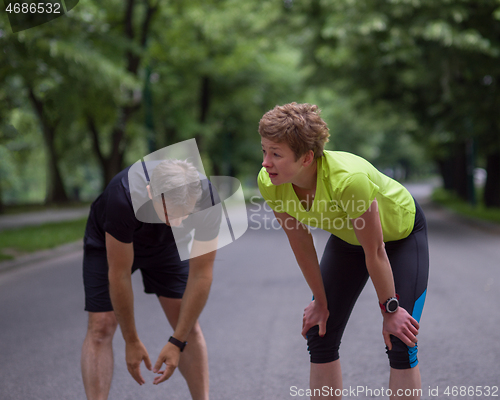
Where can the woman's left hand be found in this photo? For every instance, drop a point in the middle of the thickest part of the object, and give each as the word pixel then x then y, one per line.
pixel 315 314
pixel 402 325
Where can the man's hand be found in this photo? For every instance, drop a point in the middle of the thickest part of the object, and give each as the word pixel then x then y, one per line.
pixel 135 352
pixel 169 355
pixel 314 315
pixel 120 261
pixel 402 325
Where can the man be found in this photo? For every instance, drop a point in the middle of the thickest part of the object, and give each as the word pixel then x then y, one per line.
pixel 122 237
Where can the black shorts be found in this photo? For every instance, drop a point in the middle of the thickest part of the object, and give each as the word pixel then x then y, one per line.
pixel 163 280
pixel 344 273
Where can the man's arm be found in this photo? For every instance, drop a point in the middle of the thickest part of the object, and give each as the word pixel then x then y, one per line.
pixel 368 230
pixel 193 302
pixel 120 259
pixel 302 244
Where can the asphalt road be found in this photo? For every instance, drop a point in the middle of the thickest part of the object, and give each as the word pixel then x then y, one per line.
pixel 252 323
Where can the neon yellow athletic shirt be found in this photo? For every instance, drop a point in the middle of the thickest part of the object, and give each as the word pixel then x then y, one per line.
pixel 346 185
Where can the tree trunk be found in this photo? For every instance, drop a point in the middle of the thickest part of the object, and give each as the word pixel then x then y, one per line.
pixel 56 192
pixel 460 171
pixel 446 170
pixel 2 208
pixel 204 104
pixel 492 185
pixel 171 134
pixel 454 171
pixel 113 163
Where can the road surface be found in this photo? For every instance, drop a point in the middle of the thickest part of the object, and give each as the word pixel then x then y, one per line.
pixel 252 323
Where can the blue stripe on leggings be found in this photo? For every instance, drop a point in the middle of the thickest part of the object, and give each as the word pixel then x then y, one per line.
pixel 417 313
pixel 419 306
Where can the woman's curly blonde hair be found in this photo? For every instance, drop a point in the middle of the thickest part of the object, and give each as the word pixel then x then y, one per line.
pixel 297 125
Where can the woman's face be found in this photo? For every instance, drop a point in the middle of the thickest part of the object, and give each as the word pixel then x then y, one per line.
pixel 279 162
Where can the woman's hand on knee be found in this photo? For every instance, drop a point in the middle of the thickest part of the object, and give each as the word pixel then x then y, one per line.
pixel 315 314
pixel 402 325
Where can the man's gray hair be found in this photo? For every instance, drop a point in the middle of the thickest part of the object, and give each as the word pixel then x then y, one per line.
pixel 178 180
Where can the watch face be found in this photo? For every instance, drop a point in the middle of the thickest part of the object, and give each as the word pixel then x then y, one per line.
pixel 392 305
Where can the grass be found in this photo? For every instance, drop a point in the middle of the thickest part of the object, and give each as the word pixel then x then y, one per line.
pixel 19 241
pixel 31 207
pixel 453 202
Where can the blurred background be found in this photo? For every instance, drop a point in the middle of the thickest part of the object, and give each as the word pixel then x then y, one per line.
pixel 411 85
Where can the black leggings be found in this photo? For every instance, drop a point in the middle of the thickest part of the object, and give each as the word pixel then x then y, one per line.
pixel 344 275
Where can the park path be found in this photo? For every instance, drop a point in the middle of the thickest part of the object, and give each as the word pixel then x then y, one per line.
pixel 41 217
pixel 252 323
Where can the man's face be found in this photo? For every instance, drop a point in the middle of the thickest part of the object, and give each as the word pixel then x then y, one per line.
pixel 279 162
pixel 170 214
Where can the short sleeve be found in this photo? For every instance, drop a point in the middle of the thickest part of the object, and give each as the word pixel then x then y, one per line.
pixel 120 218
pixel 357 194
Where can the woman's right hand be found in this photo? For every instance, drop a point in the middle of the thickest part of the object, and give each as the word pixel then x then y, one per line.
pixel 315 314
pixel 402 325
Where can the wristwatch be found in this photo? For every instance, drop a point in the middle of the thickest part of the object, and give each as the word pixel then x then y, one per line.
pixel 178 343
pixel 390 305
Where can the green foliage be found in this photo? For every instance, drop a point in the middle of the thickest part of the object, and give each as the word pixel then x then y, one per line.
pixel 14 242
pixel 455 203
pixel 213 69
pixel 435 64
pixel 22 173
pixel 390 77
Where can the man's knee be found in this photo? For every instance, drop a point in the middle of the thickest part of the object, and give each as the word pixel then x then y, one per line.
pixel 102 326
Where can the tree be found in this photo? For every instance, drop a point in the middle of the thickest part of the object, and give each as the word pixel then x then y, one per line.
pixel 59 65
pixel 216 72
pixel 132 29
pixel 437 61
pixel 113 81
pixel 27 56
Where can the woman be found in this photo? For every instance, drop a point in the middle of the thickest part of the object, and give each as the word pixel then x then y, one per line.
pixel 378 231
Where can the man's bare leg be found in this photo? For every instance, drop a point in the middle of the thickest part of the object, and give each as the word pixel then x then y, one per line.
pixel 327 374
pixel 193 363
pixel 97 355
pixel 407 381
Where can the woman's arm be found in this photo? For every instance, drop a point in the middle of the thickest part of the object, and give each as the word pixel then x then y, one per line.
pixel 368 230
pixel 369 234
pixel 301 241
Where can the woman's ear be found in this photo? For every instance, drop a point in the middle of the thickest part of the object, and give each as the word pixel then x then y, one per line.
pixel 148 187
pixel 308 158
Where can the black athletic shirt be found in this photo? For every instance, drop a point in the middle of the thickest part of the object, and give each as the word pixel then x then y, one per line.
pixel 113 212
